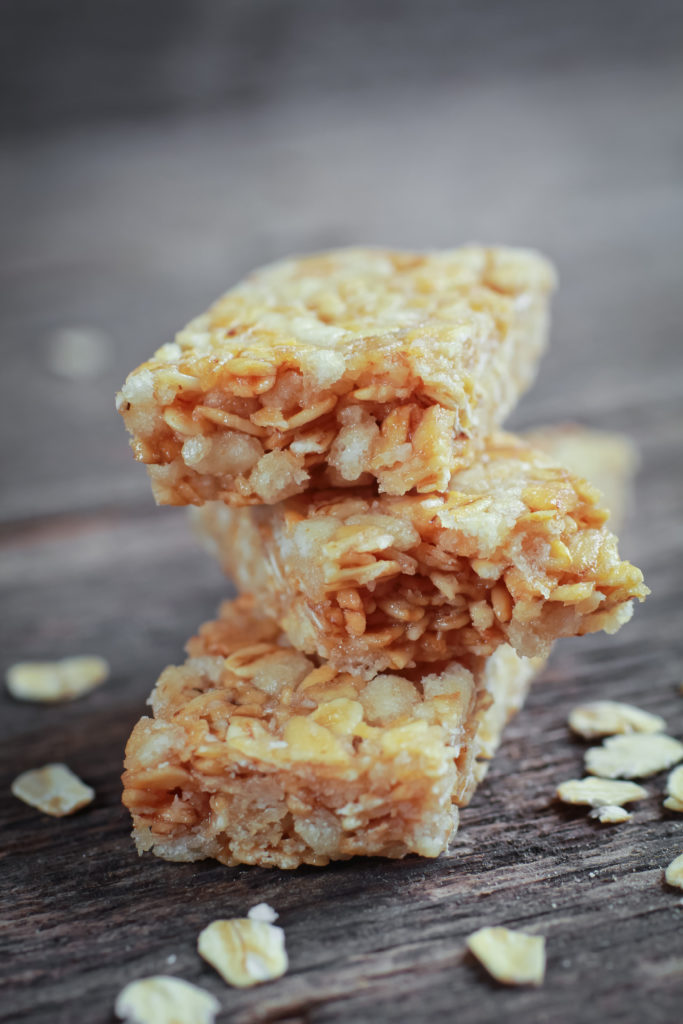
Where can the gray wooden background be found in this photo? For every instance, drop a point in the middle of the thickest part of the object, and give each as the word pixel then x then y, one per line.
pixel 151 153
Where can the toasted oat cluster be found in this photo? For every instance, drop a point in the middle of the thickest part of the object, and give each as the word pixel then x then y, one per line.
pixel 608 460
pixel 337 369
pixel 516 552
pixel 258 754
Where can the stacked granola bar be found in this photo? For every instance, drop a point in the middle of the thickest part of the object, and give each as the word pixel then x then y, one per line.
pixel 404 565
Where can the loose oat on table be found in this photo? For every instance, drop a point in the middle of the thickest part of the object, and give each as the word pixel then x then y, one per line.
pixel 244 951
pixel 611 814
pixel 600 718
pixel 674 790
pixel 263 912
pixel 594 792
pixel 258 754
pixel 674 872
pixel 78 353
pixel 165 1000
pixel 516 552
pixel 53 681
pixel 53 789
pixel 511 957
pixel 633 756
pixel 340 368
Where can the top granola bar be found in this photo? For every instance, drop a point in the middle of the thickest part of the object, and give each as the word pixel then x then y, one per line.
pixel 338 368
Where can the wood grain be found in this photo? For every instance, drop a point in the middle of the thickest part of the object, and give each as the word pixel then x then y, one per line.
pixel 131 228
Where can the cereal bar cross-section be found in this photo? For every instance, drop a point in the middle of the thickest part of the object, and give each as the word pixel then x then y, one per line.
pixel 516 552
pixel 258 754
pixel 340 368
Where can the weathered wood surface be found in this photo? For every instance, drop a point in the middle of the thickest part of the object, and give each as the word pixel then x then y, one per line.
pixel 130 229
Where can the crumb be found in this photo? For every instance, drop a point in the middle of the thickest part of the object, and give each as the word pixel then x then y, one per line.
pixel 611 814
pixel 263 912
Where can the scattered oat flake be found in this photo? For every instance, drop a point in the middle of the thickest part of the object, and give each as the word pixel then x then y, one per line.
pixel 609 717
pixel 78 353
pixel 47 681
pixel 263 912
pixel 165 1000
pixel 634 756
pixel 244 952
pixel 595 792
pixel 674 790
pixel 53 789
pixel 513 958
pixel 611 814
pixel 674 872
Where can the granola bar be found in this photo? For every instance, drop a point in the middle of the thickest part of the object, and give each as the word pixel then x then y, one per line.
pixel 516 552
pixel 257 754
pixel 337 369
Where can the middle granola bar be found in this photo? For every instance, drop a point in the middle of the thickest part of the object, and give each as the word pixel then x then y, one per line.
pixel 517 551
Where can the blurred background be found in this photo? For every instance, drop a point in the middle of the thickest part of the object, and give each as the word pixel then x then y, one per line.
pixel 155 150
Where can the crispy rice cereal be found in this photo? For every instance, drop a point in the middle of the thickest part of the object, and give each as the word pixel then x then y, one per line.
pixel 53 789
pixel 634 756
pixel 263 912
pixel 511 957
pixel 244 951
pixel 52 681
pixel 165 1000
pixel 258 754
pixel 516 552
pixel 339 368
pixel 600 718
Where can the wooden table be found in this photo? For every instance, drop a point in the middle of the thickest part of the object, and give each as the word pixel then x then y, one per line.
pixel 130 228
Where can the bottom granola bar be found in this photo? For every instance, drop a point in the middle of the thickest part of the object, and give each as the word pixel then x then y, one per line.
pixel 257 754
